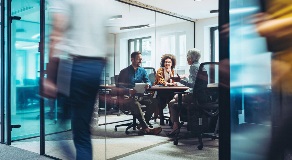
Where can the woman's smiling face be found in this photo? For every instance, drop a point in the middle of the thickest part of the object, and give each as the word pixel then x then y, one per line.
pixel 168 63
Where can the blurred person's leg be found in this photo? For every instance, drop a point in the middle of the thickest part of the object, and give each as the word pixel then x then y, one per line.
pixel 281 139
pixel 85 83
pixel 51 104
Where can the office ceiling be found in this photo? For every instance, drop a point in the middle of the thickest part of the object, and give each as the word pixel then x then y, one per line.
pixel 190 8
pixel 28 10
pixel 134 16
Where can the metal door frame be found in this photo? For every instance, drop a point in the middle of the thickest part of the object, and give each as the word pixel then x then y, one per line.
pixel 2 72
pixel 5 70
pixel 224 92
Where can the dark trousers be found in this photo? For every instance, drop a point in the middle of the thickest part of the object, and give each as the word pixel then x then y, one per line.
pixel 163 98
pixel 281 140
pixel 85 81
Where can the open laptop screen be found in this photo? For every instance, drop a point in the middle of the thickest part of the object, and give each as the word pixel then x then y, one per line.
pixel 140 87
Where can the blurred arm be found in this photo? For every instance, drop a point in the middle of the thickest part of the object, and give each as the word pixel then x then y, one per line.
pixel 274 26
pixel 59 26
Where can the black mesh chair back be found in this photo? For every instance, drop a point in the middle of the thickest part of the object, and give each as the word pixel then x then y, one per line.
pixel 206 101
pixel 204 108
pixel 207 77
pixel 151 74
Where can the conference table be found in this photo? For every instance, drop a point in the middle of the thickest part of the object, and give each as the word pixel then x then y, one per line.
pixel 179 90
pixel 161 90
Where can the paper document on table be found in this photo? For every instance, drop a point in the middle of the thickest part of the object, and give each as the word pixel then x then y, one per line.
pixel 179 84
pixel 210 85
pixel 140 87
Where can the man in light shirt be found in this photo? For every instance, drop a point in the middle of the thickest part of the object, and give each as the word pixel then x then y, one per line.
pixel 78 38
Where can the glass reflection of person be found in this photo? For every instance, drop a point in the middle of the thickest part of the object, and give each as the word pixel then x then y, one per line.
pixel 193 57
pixel 276 25
pixel 126 82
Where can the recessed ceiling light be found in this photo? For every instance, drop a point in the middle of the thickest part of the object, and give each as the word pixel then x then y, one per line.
pixel 20 30
pixel 116 17
pixel 36 36
pixel 135 27
pixel 214 11
pixel 243 10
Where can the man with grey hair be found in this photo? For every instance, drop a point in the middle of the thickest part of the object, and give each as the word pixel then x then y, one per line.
pixel 193 57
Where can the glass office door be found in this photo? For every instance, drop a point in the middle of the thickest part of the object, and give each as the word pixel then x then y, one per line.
pixel 32 115
pixel 25 69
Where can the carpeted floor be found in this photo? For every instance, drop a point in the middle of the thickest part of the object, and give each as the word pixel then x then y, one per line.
pixel 108 144
pixel 13 153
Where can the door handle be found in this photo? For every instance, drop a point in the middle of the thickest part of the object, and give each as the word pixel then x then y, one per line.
pixel 14 18
pixel 15 126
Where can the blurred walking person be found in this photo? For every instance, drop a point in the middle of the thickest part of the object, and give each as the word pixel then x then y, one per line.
pixel 78 40
pixel 275 24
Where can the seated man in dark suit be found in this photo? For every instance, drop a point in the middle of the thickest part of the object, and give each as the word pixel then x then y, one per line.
pixel 127 79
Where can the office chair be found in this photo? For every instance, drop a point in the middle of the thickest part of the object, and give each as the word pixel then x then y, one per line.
pixel 119 97
pixel 133 124
pixel 151 73
pixel 204 109
pixel 206 102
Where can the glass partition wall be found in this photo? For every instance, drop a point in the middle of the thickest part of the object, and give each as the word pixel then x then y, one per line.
pixel 133 31
pixel 174 36
pixel 154 35
pixel 26 74
pixel 250 94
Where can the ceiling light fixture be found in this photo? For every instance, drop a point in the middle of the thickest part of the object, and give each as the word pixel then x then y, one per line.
pixel 214 11
pixel 20 30
pixel 116 17
pixel 135 27
pixel 36 36
pixel 243 10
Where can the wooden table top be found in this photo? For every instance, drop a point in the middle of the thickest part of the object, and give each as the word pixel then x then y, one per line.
pixel 168 88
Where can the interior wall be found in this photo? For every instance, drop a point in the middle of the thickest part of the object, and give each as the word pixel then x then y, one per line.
pixel 202 38
pixel 121 47
pixel 185 27
pixel 122 41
